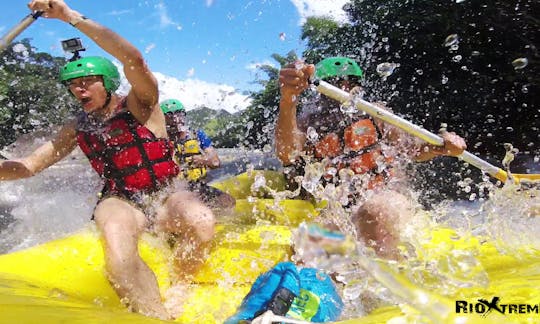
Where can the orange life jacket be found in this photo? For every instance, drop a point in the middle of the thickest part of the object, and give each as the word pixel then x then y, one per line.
pixel 126 154
pixel 358 149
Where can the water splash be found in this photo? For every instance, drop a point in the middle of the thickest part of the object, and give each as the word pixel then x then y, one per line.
pixel 311 134
pixel 520 63
pixel 451 40
pixel 348 108
pixel 386 69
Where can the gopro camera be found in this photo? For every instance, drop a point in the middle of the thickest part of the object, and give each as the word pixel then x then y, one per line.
pixel 73 45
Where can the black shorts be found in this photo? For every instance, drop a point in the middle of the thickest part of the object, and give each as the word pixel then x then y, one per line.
pixel 205 192
pixel 146 201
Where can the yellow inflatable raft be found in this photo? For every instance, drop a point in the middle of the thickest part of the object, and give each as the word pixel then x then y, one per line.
pixel 63 281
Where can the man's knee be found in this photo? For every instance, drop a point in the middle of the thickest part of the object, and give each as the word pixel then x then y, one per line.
pixel 202 220
pixel 185 209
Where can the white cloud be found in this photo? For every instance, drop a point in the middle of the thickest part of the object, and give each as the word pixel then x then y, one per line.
pixel 332 8
pixel 195 93
pixel 119 12
pixel 164 18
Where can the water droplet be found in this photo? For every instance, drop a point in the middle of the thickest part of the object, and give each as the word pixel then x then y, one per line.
pixel 258 182
pixel 509 155
pixel 352 292
pixel 457 58
pixel 312 134
pixel 348 108
pixel 524 89
pixel 520 63
pixel 282 36
pixel 331 171
pixel 419 71
pixel 386 69
pixel 451 40
pixel 21 49
pixel 444 79
pixel 267 148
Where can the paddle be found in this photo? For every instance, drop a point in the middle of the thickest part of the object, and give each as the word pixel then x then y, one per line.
pixel 19 28
pixel 385 115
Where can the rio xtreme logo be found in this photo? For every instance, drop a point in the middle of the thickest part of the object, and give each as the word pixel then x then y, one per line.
pixel 485 307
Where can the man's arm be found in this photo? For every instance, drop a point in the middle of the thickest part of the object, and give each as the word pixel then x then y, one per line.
pixel 143 83
pixel 419 150
pixel 209 158
pixel 289 139
pixel 43 157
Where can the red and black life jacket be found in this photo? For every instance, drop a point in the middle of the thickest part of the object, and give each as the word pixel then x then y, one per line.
pixel 126 154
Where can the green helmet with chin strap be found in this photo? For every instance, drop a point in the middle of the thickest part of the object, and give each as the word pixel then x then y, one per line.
pixel 337 67
pixel 89 66
pixel 171 105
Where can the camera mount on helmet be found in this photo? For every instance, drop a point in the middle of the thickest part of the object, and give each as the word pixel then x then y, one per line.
pixel 74 46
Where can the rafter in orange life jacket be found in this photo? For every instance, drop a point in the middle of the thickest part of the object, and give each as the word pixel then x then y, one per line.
pixel 357 147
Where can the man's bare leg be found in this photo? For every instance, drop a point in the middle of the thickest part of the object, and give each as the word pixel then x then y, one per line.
pixel 121 226
pixel 186 215
pixel 379 220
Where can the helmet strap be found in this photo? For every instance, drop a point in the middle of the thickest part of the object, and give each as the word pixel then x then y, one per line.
pixel 107 101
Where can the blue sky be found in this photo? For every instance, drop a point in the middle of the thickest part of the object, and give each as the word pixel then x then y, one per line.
pixel 189 43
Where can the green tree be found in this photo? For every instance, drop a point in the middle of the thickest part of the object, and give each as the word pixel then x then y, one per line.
pixel 30 95
pixel 458 62
pixel 324 38
pixel 260 116
pixel 221 126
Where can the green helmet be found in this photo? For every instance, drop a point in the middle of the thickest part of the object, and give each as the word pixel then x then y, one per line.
pixel 337 67
pixel 92 65
pixel 171 105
